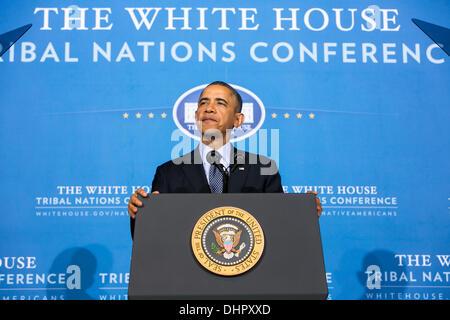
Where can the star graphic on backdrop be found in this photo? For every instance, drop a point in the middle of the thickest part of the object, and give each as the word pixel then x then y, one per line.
pixel 312 115
pixel 163 115
pixel 138 115
pixel 299 115
pixel 125 115
pixel 151 115
pixel 274 115
pixel 286 115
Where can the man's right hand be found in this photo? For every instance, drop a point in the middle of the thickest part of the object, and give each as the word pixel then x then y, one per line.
pixel 134 202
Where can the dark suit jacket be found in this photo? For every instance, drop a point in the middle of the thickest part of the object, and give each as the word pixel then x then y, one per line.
pixel 251 173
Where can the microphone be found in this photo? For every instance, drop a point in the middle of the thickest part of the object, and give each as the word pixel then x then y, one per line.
pixel 213 158
pixel 221 168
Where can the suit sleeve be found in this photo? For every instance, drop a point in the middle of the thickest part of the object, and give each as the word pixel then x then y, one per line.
pixel 273 181
pixel 159 181
pixel 158 184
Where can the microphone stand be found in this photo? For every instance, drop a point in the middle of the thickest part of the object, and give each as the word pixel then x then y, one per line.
pixel 225 176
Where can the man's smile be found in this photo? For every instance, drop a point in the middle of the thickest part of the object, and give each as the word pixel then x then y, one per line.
pixel 208 119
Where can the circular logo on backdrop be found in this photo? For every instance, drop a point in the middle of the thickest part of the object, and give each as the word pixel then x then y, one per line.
pixel 252 108
pixel 227 241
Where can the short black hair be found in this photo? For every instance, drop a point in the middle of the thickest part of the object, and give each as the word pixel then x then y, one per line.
pixel 234 92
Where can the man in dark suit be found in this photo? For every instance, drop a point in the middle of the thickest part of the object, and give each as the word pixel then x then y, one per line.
pixel 215 165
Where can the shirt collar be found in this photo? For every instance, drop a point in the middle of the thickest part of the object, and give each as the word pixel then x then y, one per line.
pixel 224 151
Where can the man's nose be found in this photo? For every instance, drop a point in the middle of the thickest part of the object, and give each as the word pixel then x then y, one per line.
pixel 210 107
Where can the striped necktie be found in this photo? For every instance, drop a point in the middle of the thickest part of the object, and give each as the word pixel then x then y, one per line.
pixel 215 176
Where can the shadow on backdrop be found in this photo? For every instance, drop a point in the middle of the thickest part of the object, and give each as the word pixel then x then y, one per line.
pixel 80 267
pixel 381 262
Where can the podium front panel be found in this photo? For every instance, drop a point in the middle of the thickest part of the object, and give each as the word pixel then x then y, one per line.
pixel 164 266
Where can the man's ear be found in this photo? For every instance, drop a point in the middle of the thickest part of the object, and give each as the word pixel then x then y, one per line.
pixel 196 115
pixel 238 119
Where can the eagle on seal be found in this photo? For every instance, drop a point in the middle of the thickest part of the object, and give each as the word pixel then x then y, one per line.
pixel 228 237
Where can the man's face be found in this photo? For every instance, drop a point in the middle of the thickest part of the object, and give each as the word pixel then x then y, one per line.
pixel 217 110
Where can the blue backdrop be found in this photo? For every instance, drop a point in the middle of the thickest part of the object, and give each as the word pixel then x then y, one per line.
pixel 356 106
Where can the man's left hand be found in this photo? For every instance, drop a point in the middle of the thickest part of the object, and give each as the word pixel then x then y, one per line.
pixel 318 204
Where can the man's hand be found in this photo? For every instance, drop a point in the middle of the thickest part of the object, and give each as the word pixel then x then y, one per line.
pixel 318 204
pixel 134 202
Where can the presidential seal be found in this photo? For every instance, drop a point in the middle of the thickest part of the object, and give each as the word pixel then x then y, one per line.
pixel 227 241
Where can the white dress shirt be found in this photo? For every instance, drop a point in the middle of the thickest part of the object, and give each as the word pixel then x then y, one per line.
pixel 224 151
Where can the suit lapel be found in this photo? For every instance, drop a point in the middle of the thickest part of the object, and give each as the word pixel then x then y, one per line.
pixel 238 176
pixel 195 173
